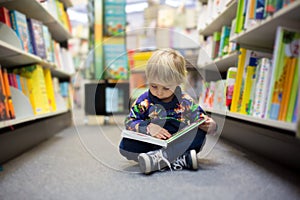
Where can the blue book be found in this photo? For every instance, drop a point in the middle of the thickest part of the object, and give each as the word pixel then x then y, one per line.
pixel 37 38
pixel 19 25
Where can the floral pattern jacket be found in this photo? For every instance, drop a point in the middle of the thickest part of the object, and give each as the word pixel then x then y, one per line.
pixel 172 116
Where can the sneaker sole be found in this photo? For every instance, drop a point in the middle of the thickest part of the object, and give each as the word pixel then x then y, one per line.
pixel 194 159
pixel 144 161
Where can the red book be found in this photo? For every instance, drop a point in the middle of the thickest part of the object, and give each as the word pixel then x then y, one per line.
pixel 4 16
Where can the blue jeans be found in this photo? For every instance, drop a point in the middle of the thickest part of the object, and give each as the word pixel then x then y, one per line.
pixel 195 139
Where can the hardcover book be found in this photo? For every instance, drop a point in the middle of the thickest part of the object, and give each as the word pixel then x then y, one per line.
pixel 164 143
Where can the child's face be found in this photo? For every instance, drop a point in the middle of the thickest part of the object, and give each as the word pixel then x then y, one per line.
pixel 164 93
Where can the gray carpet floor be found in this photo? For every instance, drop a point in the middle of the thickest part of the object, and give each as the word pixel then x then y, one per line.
pixel 83 163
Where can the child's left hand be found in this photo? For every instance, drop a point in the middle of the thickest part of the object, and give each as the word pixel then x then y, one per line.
pixel 209 125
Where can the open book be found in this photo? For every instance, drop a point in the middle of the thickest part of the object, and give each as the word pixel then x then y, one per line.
pixel 164 143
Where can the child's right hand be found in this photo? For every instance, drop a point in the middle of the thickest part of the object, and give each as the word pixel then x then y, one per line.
pixel 158 132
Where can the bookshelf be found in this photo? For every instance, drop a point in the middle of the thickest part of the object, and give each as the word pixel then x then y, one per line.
pixel 24 131
pixel 108 67
pixel 273 139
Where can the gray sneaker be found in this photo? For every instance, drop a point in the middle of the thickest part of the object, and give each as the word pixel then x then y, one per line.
pixel 187 161
pixel 153 161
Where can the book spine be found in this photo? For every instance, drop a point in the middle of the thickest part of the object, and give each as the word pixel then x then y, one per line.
pixel 238 82
pixel 293 95
pixel 4 108
pixel 8 93
pixel 245 105
pixel 262 88
pixel 4 16
pixel 289 71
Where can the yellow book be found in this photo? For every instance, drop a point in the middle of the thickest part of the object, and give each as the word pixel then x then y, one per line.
pixel 245 105
pixel 50 90
pixel 289 71
pixel 238 82
pixel 37 88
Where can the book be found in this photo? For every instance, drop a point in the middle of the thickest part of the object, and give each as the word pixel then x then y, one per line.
pixel 35 28
pixel 37 88
pixel 285 46
pixel 50 89
pixel 4 108
pixel 19 25
pixel 4 16
pixel 246 102
pixel 289 70
pixel 164 143
pixel 292 103
pixel 229 86
pixel 238 81
pixel 8 94
pixel 262 84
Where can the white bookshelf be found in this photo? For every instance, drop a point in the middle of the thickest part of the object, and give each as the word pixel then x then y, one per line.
pixel 225 17
pixel 222 64
pixel 27 130
pixel 262 35
pixel 273 139
pixel 34 9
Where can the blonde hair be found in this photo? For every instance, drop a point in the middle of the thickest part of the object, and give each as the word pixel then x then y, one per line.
pixel 166 66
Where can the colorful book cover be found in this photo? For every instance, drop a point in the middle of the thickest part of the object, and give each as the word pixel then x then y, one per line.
pixel 48 44
pixel 4 16
pixel 114 18
pixel 8 94
pixel 37 37
pixel 50 90
pixel 224 42
pixel 230 81
pixel 293 94
pixel 246 100
pixel 238 82
pixel 286 45
pixel 116 61
pixel 37 88
pixel 4 108
pixel 288 71
pixel 19 24
pixel 270 7
pixel 262 85
pixel 260 7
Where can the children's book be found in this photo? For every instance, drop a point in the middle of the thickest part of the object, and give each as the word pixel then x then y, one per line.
pixel 285 51
pixel 35 28
pixel 19 25
pixel 164 143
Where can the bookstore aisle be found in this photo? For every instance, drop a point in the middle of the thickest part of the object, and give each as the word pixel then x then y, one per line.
pixel 62 168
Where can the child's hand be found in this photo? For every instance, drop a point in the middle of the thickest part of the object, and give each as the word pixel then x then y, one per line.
pixel 158 132
pixel 209 125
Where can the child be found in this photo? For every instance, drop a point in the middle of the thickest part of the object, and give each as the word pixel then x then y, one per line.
pixel 162 111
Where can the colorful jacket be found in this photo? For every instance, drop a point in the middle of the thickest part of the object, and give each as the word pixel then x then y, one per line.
pixel 172 116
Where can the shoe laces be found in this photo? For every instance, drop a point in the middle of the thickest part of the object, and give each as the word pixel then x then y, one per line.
pixel 158 157
pixel 179 163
